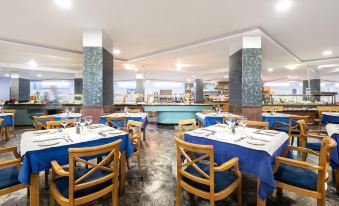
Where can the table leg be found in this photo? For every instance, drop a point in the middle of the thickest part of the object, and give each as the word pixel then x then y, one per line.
pixel 7 133
pixel 34 194
pixel 337 179
pixel 122 171
pixel 260 202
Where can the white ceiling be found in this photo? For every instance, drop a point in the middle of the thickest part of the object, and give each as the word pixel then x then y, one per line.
pixel 140 28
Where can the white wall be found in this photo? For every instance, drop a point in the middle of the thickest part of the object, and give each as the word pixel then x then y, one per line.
pixel 4 89
pixel 152 86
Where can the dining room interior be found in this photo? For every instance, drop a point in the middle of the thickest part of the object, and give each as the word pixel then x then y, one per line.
pixel 165 103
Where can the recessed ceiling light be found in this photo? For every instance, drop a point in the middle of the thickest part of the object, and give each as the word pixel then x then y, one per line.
pixel 66 4
pixel 226 76
pixel 130 67
pixel 116 51
pixel 189 80
pixel 270 69
pixel 292 66
pixel 283 5
pixel 327 66
pixel 327 52
pixel 32 64
pixel 7 75
pixel 39 75
pixel 178 66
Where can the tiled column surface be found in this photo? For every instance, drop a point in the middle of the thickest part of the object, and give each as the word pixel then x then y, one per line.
pixel 245 83
pixel 199 91
pixel 19 89
pixel 97 75
pixel 78 86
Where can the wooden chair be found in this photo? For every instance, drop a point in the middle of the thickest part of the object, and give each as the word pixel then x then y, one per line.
pixel 12 111
pixel 258 124
pixel 40 122
pixel 1 120
pixel 134 128
pixel 205 180
pixel 79 187
pixel 9 172
pixel 292 128
pixel 185 126
pixel 57 124
pixel 116 122
pixel 206 111
pixel 134 110
pixel 320 117
pixel 302 177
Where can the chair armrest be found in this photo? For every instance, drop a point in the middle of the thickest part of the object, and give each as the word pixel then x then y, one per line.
pixel 9 163
pixel 58 169
pixel 316 136
pixel 10 149
pixel 302 149
pixel 318 131
pixel 227 165
pixel 296 163
pixel 276 124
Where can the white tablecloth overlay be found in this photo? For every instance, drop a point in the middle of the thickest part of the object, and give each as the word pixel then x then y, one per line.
pixel 142 115
pixel 335 114
pixel 332 129
pixel 214 114
pixel 5 114
pixel 223 134
pixel 28 139
pixel 265 114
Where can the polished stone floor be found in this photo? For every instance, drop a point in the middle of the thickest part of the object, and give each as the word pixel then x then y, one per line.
pixel 157 183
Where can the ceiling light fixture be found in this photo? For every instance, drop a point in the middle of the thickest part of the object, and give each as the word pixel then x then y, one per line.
pixel 327 52
pixel 7 75
pixel 32 63
pixel 189 80
pixel 270 69
pixel 327 66
pixel 39 75
pixel 130 67
pixel 66 4
pixel 283 5
pixel 178 66
pixel 292 66
pixel 116 51
pixel 226 76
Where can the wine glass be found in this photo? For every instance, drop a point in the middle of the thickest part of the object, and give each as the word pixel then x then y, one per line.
pixel 67 111
pixel 82 123
pixel 88 120
pixel 64 122
pixel 242 123
pixel 77 121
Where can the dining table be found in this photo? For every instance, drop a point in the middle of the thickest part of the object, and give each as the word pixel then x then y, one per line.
pixel 333 132
pixel 212 118
pixel 7 123
pixel 139 117
pixel 39 148
pixel 272 118
pixel 256 150
pixel 330 117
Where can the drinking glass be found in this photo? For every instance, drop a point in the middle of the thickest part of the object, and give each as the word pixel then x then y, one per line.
pixel 82 123
pixel 88 120
pixel 64 122
pixel 242 123
pixel 77 121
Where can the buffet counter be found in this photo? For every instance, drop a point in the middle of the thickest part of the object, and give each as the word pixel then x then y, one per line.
pixel 24 112
pixel 172 113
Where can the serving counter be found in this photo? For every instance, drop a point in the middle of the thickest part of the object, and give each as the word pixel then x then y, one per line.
pixel 172 113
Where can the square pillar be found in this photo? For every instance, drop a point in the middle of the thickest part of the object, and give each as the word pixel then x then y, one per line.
pixel 245 83
pixel 199 91
pixel 97 73
pixel 140 86
pixel 19 88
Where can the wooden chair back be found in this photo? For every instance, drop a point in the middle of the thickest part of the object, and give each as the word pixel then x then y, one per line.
pixel 134 129
pixel 1 120
pixel 40 121
pixel 206 111
pixel 57 124
pixel 186 125
pixel 224 118
pixel 258 124
pixel 134 110
pixel 293 124
pixel 109 163
pixel 16 162
pixel 10 111
pixel 203 153
pixel 116 122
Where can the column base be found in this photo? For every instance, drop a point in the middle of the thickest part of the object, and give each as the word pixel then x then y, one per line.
pixel 252 113
pixel 96 112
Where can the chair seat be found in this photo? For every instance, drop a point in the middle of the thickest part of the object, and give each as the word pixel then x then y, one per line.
pixel 296 176
pixel 313 146
pixel 9 177
pixel 285 129
pixel 62 183
pixel 221 179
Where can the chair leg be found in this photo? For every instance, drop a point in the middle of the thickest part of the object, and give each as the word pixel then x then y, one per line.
pixel 321 202
pixel 179 195
pixel 115 193
pixel 14 132
pixel 239 195
pixel 128 166
pixel 46 178
pixel 279 192
pixel 139 164
pixel 51 200
pixel 212 203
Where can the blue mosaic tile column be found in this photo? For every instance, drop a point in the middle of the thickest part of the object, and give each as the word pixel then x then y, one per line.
pixel 199 91
pixel 19 88
pixel 245 82
pixel 78 86
pixel 97 74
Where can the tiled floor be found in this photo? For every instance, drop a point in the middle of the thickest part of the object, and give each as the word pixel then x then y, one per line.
pixel 157 184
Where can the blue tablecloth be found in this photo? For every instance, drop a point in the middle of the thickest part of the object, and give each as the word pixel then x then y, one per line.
pixel 8 120
pixel 327 118
pixel 255 162
pixel 334 156
pixel 209 121
pixel 40 160
pixel 138 119
pixel 272 119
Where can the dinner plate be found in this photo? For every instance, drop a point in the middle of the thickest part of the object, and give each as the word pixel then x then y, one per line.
pixel 49 143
